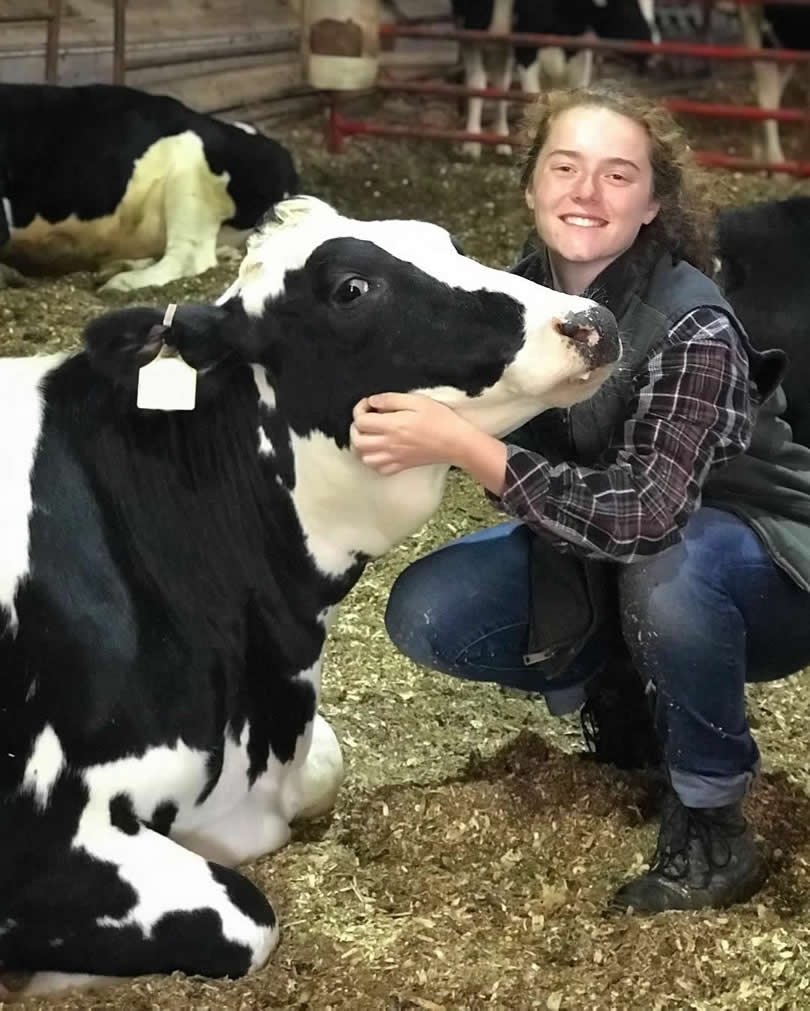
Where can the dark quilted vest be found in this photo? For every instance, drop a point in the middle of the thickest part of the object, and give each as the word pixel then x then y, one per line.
pixel 768 486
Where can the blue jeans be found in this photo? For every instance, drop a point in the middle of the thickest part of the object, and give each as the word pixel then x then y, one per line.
pixel 699 620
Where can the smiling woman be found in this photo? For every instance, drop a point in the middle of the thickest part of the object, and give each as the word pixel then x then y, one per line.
pixel 590 198
pixel 660 543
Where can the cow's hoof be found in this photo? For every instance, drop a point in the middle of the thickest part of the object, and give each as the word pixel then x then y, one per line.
pixel 112 276
pixel 471 149
pixel 504 149
pixel 11 278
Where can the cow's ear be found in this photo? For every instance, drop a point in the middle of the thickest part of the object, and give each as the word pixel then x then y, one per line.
pixel 120 343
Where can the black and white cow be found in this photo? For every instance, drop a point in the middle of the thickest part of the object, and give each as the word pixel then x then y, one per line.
pixel 110 178
pixel 764 253
pixel 782 26
pixel 611 19
pixel 167 577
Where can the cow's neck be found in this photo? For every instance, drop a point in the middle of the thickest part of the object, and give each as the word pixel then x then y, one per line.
pixel 349 511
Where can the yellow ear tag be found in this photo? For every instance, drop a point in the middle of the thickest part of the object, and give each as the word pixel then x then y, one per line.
pixel 167 383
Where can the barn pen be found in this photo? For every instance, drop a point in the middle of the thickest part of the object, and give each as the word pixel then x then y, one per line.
pixel 341 126
pixel 471 851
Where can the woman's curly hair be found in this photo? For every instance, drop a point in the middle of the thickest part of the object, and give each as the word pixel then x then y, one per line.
pixel 684 222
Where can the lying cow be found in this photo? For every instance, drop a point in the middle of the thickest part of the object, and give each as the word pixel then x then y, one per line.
pixel 613 19
pixel 167 577
pixel 764 255
pixel 113 179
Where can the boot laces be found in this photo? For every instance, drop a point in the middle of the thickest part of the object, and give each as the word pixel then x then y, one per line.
pixel 683 827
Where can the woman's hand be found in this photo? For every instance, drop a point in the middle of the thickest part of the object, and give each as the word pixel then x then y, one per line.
pixel 394 431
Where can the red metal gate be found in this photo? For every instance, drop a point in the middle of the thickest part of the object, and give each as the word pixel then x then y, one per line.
pixel 341 126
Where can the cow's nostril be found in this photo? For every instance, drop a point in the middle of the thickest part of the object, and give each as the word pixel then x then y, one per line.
pixel 593 331
pixel 575 331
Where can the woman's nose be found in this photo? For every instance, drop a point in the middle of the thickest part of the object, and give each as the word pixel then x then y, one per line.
pixel 585 187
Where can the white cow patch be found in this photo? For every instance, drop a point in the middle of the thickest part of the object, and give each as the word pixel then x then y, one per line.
pixel 44 766
pixel 7 213
pixel 171 212
pixel 21 422
pixel 177 774
pixel 166 876
pixel 370 513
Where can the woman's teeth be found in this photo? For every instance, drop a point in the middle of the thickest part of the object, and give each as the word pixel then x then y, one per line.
pixel 572 219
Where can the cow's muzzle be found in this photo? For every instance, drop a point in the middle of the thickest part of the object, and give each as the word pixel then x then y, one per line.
pixel 594 334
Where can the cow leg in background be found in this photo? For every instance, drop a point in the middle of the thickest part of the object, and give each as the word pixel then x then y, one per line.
pixel 109 270
pixel 125 901
pixel 770 81
pixel 553 64
pixel 474 77
pixel 195 203
pixel 504 81
pixel 501 59
pixel 580 67
pixel 647 8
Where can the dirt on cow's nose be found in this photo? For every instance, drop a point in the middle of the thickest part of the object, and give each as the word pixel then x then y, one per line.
pixel 595 334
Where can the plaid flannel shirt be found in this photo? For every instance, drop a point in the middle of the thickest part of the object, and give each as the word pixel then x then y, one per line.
pixel 692 410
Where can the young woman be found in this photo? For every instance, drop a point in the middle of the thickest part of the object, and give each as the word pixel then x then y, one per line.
pixel 661 528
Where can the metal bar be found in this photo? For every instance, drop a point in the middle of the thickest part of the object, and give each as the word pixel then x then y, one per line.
pixel 712 110
pixel 715 110
pixel 52 42
pixel 740 53
pixel 217 53
pixel 730 161
pixel 10 19
pixel 348 127
pixel 119 41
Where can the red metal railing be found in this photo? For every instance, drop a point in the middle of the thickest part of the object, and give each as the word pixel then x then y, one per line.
pixel 340 126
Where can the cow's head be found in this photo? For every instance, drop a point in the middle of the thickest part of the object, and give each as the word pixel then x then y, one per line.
pixel 333 310
pixel 337 309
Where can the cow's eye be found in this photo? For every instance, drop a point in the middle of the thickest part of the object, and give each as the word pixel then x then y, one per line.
pixel 350 289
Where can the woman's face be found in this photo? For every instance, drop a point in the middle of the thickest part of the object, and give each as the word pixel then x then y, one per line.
pixel 592 189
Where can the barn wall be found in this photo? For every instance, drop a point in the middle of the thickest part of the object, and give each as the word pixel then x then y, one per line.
pixel 260 87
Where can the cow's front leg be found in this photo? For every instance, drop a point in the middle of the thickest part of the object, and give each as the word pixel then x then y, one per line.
pixel 259 823
pixel 312 788
pixel 195 203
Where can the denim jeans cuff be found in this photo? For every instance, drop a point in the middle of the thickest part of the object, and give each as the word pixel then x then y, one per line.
pixel 695 790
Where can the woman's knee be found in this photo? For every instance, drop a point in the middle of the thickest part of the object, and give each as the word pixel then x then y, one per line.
pixel 443 602
pixel 413 611
pixel 686 592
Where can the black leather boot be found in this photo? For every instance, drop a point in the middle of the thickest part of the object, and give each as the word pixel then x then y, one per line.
pixel 705 857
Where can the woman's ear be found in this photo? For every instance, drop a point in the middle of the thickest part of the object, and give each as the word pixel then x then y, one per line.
pixel 652 211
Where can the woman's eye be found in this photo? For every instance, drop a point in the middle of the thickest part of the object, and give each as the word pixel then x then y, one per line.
pixel 351 289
